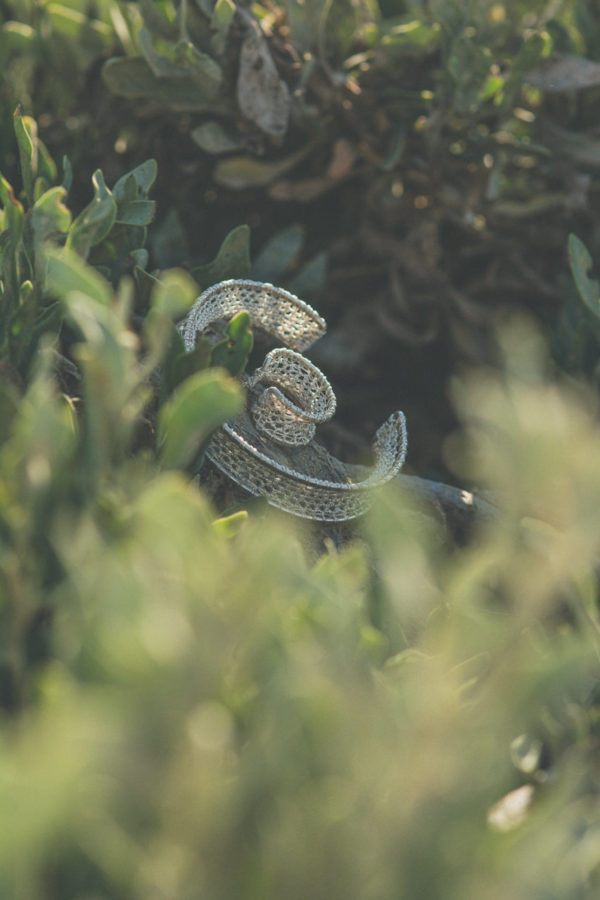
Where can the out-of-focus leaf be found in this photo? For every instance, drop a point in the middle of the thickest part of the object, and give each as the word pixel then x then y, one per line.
pixel 174 294
pixel 232 260
pixel 310 278
pixel 581 265
pixel 133 78
pixel 26 133
pixel 221 19
pixel 229 526
pixel 532 50
pixel 50 215
pixel 156 22
pixel 278 255
pixel 94 223
pixel 160 65
pixel 171 298
pixel 129 77
pixel 169 241
pixel 469 64
pixel 233 351
pixel 239 172
pixel 180 364
pixel 68 273
pixel 261 94
pixel 564 72
pixel 67 173
pixel 188 418
pixel 578 146
pixel 137 212
pixel 412 36
pixel 18 36
pixel 202 68
pixel 212 137
pixel 395 149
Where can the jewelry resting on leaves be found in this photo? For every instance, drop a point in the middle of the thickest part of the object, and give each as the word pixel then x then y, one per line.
pixel 295 397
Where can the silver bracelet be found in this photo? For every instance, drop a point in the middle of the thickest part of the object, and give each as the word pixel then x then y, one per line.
pixel 296 397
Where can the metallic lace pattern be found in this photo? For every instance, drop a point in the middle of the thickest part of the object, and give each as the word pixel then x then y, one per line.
pixel 295 398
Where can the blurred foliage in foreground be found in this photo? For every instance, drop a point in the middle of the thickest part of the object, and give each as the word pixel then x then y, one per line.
pixel 189 708
pixel 192 710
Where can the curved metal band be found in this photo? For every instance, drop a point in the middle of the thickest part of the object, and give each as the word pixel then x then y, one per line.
pixel 300 494
pixel 296 397
pixel 277 311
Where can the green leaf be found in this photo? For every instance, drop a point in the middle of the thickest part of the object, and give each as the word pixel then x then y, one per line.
pixel 130 77
pixel 12 234
pixel 50 215
pixel 232 260
pixel 136 212
pixel 133 78
pixel 196 408
pixel 233 351
pixel 157 22
pixel 202 68
pixel 171 298
pixel 18 36
pixel 581 264
pixel 279 254
pixel 67 272
pixel 220 21
pixel 94 223
pixel 212 137
pixel 229 526
pixel 26 132
pixel 239 172
pixel 180 364
pixel 67 173
pixel 160 65
pixel 143 176
pixel 311 277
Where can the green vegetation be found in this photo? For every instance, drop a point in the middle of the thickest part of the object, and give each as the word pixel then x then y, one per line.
pixel 189 706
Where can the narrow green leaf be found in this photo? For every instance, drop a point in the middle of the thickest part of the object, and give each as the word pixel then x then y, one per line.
pixel 581 265
pixel 67 173
pixel 94 223
pixel 220 22
pixel 26 133
pixel 239 172
pixel 11 237
pixel 229 526
pixel 188 418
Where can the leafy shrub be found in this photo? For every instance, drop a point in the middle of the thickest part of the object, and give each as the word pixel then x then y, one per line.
pixel 190 708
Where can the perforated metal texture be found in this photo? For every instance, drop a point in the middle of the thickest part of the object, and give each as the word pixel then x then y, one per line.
pixel 296 396
pixel 277 311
